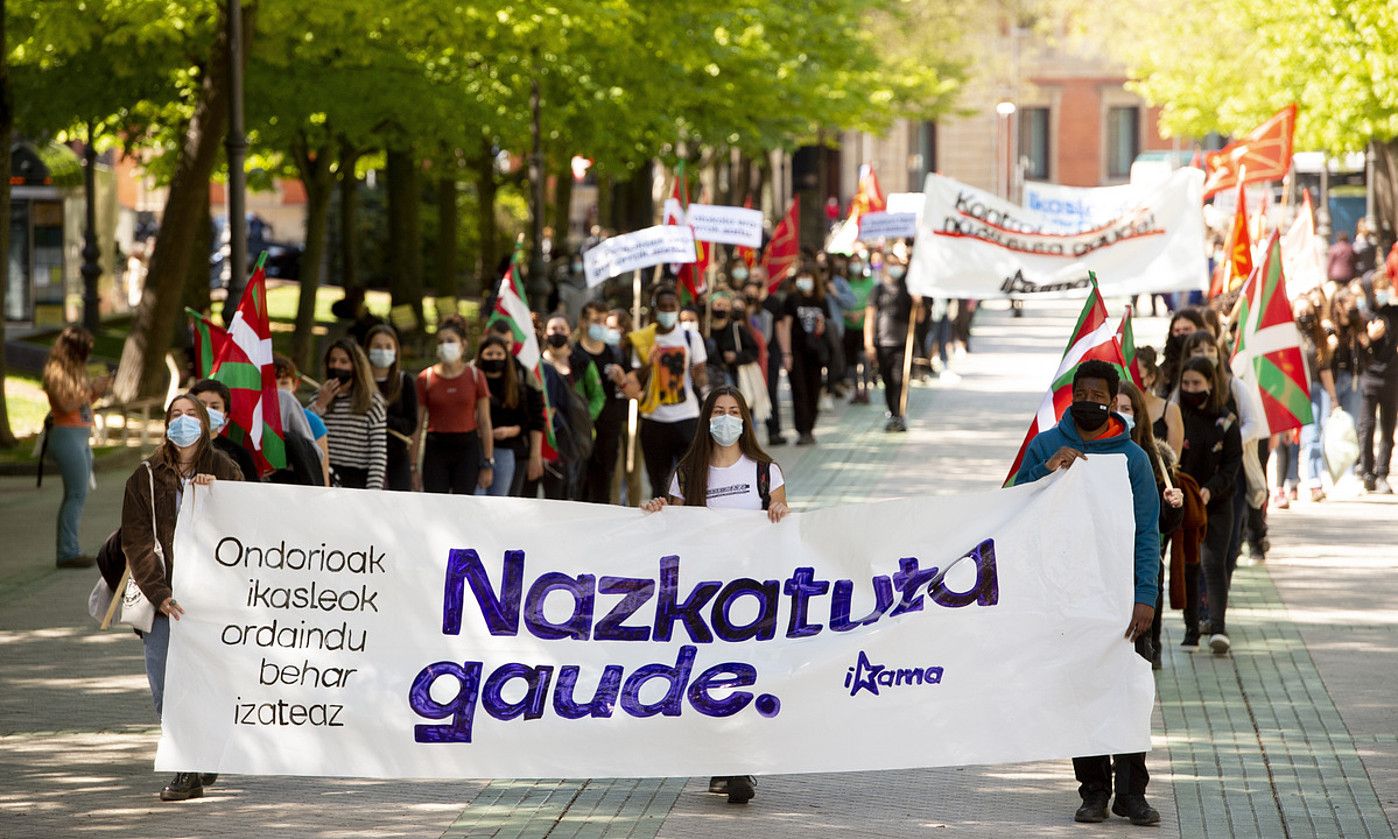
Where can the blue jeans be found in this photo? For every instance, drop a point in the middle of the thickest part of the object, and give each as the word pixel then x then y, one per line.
pixel 1347 388
pixel 504 473
pixel 1313 435
pixel 157 644
pixel 70 448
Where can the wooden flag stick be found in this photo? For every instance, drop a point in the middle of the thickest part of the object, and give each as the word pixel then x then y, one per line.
pixel 914 315
pixel 117 597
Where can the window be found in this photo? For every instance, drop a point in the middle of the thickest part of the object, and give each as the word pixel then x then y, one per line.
pixel 1034 142
pixel 1123 140
pixel 923 158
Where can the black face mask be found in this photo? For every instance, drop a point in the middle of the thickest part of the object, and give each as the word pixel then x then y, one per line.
pixel 491 366
pixel 1195 400
pixel 1173 345
pixel 1089 416
pixel 342 376
pixel 556 340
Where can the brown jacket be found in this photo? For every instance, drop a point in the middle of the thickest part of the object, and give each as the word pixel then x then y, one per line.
pixel 137 540
pixel 1185 541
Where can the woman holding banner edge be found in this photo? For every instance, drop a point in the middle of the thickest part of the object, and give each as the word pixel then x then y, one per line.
pixel 727 469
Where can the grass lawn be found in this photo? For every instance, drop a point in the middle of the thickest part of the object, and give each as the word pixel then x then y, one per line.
pixel 282 298
pixel 27 404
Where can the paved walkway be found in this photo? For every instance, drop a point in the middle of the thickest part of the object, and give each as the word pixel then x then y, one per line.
pixel 1295 735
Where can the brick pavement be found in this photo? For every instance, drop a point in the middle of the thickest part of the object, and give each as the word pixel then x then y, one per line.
pixel 1293 736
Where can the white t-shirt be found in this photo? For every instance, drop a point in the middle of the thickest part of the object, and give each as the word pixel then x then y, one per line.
pixel 734 487
pixel 684 355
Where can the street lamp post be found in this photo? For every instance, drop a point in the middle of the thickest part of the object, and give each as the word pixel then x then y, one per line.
pixel 237 146
pixel 90 270
pixel 1004 163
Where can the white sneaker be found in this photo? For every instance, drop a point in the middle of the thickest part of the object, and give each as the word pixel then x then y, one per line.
pixel 1219 643
pixel 826 403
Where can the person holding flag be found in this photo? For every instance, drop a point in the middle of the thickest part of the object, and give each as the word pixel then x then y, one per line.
pixel 1091 427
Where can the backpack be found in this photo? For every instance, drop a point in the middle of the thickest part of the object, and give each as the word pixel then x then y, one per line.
pixel 764 483
pixel 572 424
pixel 302 463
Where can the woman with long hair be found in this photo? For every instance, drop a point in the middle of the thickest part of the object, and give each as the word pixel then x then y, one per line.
pixel 1133 406
pixel 1164 415
pixel 617 385
pixel 353 410
pixel 186 459
pixel 454 433
pixel 1182 323
pixel 1213 455
pixel 70 392
pixel 516 416
pixel 400 402
pixel 727 469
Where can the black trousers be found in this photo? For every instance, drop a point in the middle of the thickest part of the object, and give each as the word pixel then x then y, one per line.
pixel 1156 623
pixel 891 371
pixel 805 391
pixel 856 364
pixel 1213 569
pixel 451 463
pixel 1126 773
pixel 774 377
pixel 663 444
pixel 1378 408
pixel 398 475
pixel 597 480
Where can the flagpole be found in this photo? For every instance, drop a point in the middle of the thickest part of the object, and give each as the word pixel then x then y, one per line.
pixel 913 317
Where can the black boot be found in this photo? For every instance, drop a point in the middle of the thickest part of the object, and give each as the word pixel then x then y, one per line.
pixel 183 787
pixel 718 784
pixel 208 778
pixel 741 789
pixel 1136 809
pixel 1093 809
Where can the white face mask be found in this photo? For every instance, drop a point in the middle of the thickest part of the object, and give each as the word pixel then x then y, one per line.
pixel 805 285
pixel 449 353
pixel 726 429
pixel 216 421
pixel 382 357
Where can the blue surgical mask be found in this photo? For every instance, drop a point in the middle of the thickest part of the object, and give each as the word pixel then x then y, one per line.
pixel 667 320
pixel 184 431
pixel 596 332
pixel 382 357
pixel 740 273
pixel 726 429
pixel 1382 298
pixel 1130 423
pixel 805 285
pixel 897 271
pixel 613 337
pixel 216 421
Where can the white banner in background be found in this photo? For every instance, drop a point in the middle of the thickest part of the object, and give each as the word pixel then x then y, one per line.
pixel 641 249
pixel 973 244
pixel 875 226
pixel 397 635
pixel 1068 209
pixel 726 225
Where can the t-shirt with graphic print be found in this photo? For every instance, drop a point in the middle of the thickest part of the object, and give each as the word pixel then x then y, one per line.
pixel 734 487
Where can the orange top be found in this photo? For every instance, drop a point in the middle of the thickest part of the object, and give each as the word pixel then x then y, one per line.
pixel 79 416
pixel 451 402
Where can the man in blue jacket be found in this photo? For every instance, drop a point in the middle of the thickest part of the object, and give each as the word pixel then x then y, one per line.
pixel 1091 427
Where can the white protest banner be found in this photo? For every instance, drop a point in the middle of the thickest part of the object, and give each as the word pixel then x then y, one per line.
pixel 641 249
pixel 973 244
pixel 875 226
pixel 905 202
pixel 726 225
pixel 397 635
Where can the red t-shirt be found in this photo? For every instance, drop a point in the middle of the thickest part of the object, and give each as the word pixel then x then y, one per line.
pixel 451 402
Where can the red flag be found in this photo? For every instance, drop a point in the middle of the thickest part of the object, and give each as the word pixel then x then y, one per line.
pixel 691 275
pixel 1263 155
pixel 869 197
pixel 782 252
pixel 245 365
pixel 1268 358
pixel 209 339
pixel 1237 261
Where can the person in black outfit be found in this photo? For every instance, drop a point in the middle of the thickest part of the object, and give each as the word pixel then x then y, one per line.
pixel 886 320
pixel 801 333
pixel 516 416
pixel 1213 452
pixel 610 425
pixel 1378 384
pixel 733 342
pixel 763 312
pixel 217 399
pixel 399 390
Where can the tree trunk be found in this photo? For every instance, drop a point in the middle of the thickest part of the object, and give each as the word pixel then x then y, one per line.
pixel 448 239
pixel 349 217
pixel 1386 192
pixel 486 230
pixel 562 201
pixel 605 202
pixel 142 370
pixel 404 231
pixel 195 292
pixel 314 166
pixel 7 128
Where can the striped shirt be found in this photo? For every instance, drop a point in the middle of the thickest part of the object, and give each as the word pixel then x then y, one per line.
pixel 358 441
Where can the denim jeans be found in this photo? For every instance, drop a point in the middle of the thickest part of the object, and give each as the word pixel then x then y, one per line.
pixel 70 448
pixel 1313 435
pixel 157 644
pixel 504 473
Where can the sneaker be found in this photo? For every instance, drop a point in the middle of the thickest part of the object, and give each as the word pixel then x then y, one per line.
pixel 1381 486
pixel 902 423
pixel 208 779
pixel 827 403
pixel 1219 643
pixel 1280 501
pixel 1093 809
pixel 1136 809
pixel 1191 638
pixel 718 784
pixel 741 789
pixel 776 440
pixel 1156 662
pixel 860 398
pixel 184 786
pixel 1317 495
pixel 77 562
pixel 891 425
pixel 1370 485
pixel 806 440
